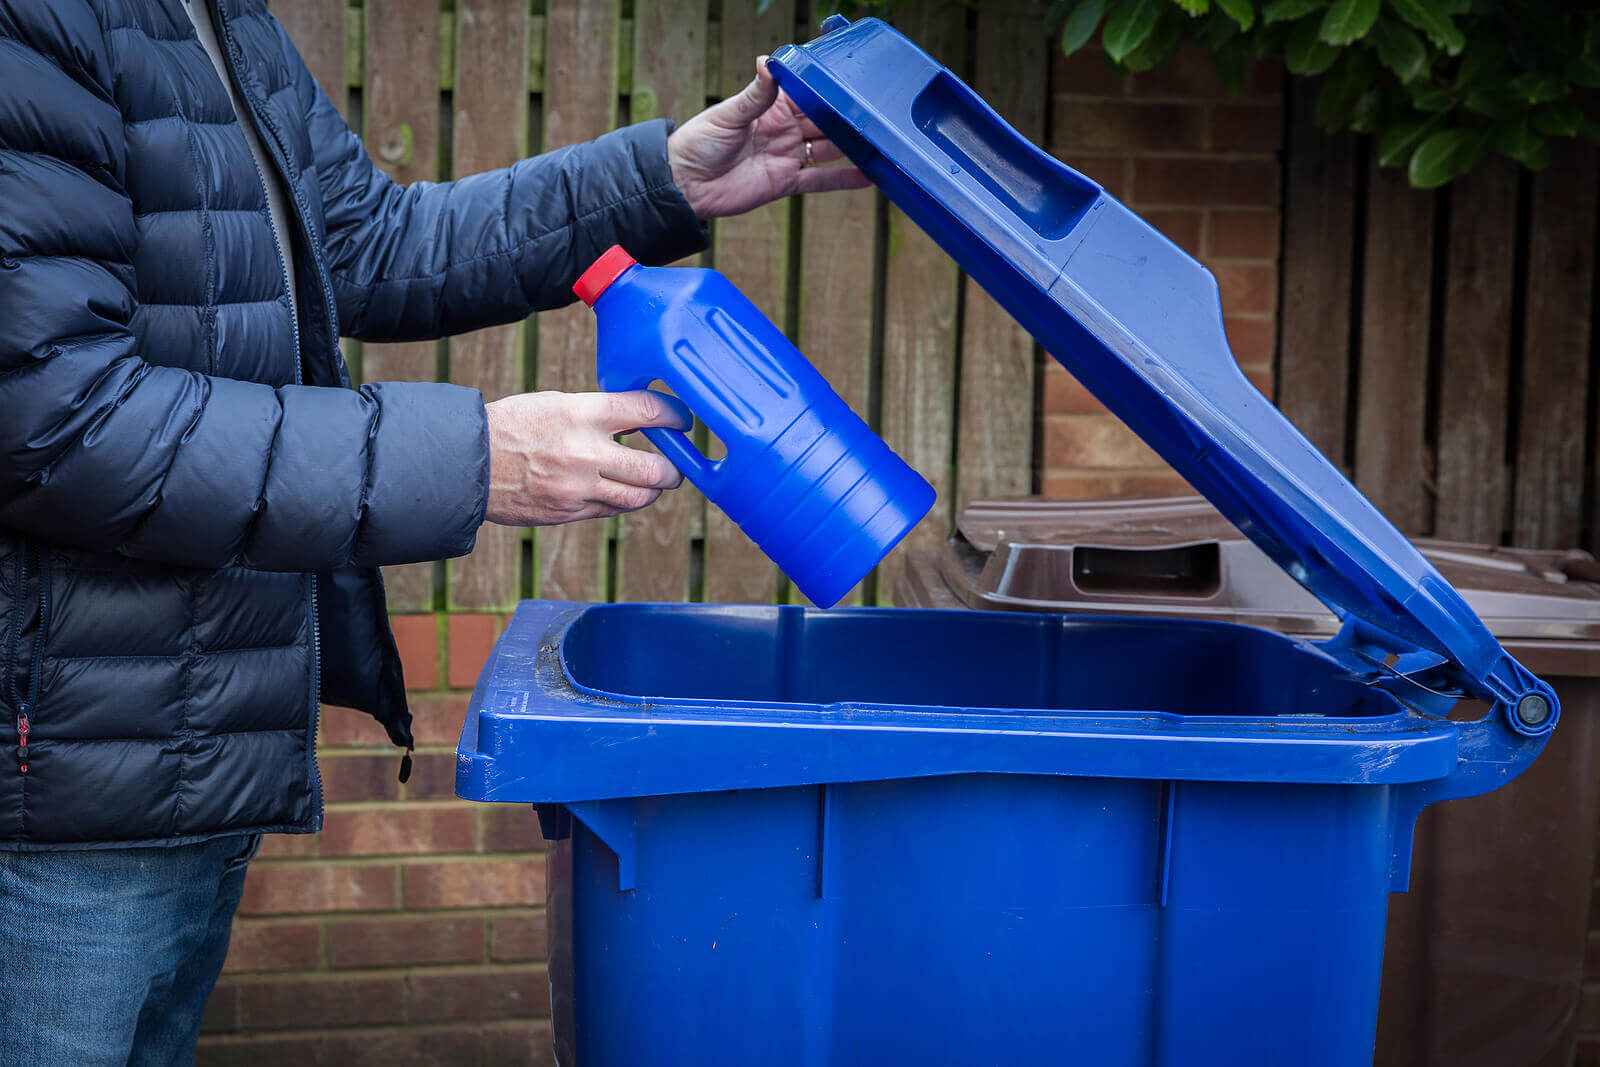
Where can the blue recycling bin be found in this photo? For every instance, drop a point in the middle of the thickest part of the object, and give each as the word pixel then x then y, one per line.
pixel 877 836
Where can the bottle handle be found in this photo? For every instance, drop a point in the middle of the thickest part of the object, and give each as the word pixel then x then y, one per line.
pixel 676 446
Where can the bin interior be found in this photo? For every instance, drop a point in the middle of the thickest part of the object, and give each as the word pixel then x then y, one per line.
pixel 736 655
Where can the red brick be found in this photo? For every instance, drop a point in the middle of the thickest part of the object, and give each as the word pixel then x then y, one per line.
pixel 222 1010
pixel 475 883
pixel 452 1047
pixel 509 828
pixel 1205 181
pixel 499 993
pixel 342 726
pixel 471 640
pixel 1116 124
pixel 360 777
pixel 1244 234
pixel 1589 1008
pixel 1247 287
pixel 417 637
pixel 287 846
pixel 1162 481
pixel 1077 485
pixel 1063 394
pixel 1588 1052
pixel 1109 172
pixel 1247 127
pixel 436 720
pixel 302 1003
pixel 1087 72
pixel 287 888
pixel 1263 380
pixel 522 1044
pixel 397 942
pixel 519 937
pixel 1181 227
pixel 1189 74
pixel 1094 441
pixel 1253 340
pixel 399 829
pixel 433 774
pixel 273 946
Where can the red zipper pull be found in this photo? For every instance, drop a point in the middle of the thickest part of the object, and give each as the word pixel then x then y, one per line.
pixel 22 744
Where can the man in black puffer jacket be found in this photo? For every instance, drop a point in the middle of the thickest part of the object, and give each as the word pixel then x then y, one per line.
pixel 193 501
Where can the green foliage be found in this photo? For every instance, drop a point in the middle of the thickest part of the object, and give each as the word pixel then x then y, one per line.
pixel 1439 83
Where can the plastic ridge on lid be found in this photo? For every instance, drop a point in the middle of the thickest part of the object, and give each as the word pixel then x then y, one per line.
pixel 1138 321
pixel 601 273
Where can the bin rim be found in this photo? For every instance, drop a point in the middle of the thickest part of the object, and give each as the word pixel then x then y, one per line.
pixel 1138 321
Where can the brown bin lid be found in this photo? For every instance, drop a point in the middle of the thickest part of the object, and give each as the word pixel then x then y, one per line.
pixel 1174 554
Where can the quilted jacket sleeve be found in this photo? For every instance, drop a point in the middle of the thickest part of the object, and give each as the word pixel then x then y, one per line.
pixel 104 449
pixel 429 259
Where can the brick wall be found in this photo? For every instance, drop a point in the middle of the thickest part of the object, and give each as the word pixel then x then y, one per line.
pixel 1203 167
pixel 411 930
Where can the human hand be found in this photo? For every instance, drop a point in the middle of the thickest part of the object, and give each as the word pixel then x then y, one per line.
pixel 552 458
pixel 751 149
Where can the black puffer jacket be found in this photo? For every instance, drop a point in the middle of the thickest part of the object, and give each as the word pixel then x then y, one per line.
pixel 189 512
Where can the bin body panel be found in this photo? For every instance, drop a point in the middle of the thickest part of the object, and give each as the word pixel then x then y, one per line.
pixel 983 919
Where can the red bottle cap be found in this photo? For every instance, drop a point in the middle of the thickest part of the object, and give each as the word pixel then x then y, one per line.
pixel 605 270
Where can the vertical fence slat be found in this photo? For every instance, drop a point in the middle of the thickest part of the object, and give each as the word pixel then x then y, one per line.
pixel 995 446
pixel 669 41
pixel 579 104
pixel 1391 450
pixel 491 122
pixel 402 134
pixel 753 251
pixel 1318 260
pixel 1555 351
pixel 317 28
pixel 1476 354
pixel 921 296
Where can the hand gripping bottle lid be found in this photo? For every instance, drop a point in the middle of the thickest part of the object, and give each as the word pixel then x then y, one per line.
pixel 804 477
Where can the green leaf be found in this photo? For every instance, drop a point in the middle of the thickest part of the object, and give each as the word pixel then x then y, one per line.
pixel 1539 88
pixel 1445 156
pixel 1080 25
pixel 1563 119
pixel 1229 61
pixel 1584 70
pixel 1306 52
pixel 1368 114
pixel 1159 46
pixel 1496 100
pixel 1483 61
pixel 1195 8
pixel 762 6
pixel 1400 49
pixel 1522 143
pixel 1343 87
pixel 1349 20
pixel 1128 25
pixel 1241 11
pixel 1216 29
pixel 1426 96
pixel 1289 10
pixel 1402 138
pixel 1435 23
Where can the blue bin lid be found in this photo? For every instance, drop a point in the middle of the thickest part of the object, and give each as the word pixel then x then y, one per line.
pixel 1138 321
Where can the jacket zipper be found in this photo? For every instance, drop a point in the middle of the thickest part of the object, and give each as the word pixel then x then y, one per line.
pixel 25 699
pixel 228 50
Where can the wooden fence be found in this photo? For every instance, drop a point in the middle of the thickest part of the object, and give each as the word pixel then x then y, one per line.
pixel 1442 345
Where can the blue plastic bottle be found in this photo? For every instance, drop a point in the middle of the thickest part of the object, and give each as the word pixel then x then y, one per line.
pixel 804 477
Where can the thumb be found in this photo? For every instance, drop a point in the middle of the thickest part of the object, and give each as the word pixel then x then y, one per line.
pixel 753 100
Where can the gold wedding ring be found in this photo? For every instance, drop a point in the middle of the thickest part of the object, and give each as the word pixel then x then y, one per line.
pixel 809 160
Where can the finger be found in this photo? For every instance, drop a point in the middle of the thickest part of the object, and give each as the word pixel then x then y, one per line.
pixel 643 409
pixel 825 151
pixel 610 494
pixel 808 129
pixel 635 466
pixel 828 179
pixel 752 102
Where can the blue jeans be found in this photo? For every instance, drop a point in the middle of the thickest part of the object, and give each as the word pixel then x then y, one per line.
pixel 108 956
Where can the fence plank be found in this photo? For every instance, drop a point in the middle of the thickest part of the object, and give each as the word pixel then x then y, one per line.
pixel 1555 351
pixel 491 123
pixel 317 28
pixel 922 292
pixel 1391 452
pixel 1476 355
pixel 402 134
pixel 995 437
pixel 1318 260
pixel 838 243
pixel 753 251
pixel 669 40
pixel 580 103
